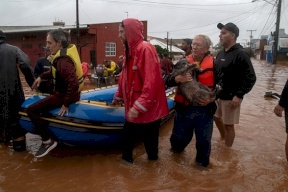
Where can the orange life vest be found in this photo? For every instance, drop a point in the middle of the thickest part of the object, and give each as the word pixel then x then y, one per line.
pixel 206 77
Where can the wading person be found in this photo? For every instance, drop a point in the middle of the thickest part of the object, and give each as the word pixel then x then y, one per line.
pixel 166 64
pixel 280 107
pixel 186 46
pixel 11 92
pixel 67 77
pixel 237 79
pixel 190 117
pixel 142 89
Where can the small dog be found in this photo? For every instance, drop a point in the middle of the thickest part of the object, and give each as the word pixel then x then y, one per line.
pixel 192 90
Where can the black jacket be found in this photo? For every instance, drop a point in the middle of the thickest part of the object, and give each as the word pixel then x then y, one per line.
pixel 11 91
pixel 283 102
pixel 43 65
pixel 235 72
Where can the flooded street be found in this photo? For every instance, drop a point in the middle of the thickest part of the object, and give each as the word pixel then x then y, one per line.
pixel 256 162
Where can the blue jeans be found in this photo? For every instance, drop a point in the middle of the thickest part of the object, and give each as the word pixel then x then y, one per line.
pixel 187 120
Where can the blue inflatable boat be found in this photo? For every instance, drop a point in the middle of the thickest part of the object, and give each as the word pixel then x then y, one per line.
pixel 92 121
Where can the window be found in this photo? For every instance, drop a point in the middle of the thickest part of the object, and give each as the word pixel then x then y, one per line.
pixel 110 49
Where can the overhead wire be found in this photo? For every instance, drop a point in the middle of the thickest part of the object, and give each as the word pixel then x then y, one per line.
pixel 186 4
pixel 211 23
pixel 166 5
pixel 169 5
pixel 38 13
pixel 268 19
pixel 285 8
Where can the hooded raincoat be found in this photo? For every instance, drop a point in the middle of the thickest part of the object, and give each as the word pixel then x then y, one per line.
pixel 11 91
pixel 140 84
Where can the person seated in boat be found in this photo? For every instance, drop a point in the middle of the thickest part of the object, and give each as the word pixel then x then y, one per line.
pixel 85 67
pixel 119 65
pixel 99 70
pixel 67 75
pixel 43 64
pixel 142 89
pixel 109 68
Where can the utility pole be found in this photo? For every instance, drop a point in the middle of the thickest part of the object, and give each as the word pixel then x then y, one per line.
pixel 251 31
pixel 276 35
pixel 167 41
pixel 170 47
pixel 77 23
pixel 246 40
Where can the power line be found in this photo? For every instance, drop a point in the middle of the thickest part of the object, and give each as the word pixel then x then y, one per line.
pixel 268 19
pixel 176 4
pixel 39 12
pixel 241 15
pixel 276 36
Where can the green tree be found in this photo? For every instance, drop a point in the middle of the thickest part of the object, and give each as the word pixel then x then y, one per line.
pixel 218 47
pixel 160 50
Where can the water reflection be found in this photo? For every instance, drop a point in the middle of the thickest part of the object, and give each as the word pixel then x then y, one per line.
pixel 271 80
pixel 256 162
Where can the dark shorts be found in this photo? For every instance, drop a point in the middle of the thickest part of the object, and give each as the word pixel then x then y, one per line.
pixel 286 121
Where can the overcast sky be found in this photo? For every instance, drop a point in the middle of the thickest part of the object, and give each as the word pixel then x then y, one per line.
pixel 180 18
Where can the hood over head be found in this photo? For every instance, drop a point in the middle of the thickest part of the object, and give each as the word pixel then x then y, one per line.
pixel 134 31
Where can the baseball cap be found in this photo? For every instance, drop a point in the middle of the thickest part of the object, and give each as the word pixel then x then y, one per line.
pixel 230 27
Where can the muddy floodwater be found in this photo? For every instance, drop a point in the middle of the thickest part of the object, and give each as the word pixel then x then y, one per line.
pixel 256 162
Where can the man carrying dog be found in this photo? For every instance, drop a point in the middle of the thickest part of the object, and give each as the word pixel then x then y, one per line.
pixel 190 118
pixel 237 79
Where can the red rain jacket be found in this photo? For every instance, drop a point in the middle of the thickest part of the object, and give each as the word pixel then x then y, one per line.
pixel 140 84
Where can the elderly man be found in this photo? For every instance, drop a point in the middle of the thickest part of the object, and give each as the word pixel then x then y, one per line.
pixel 190 117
